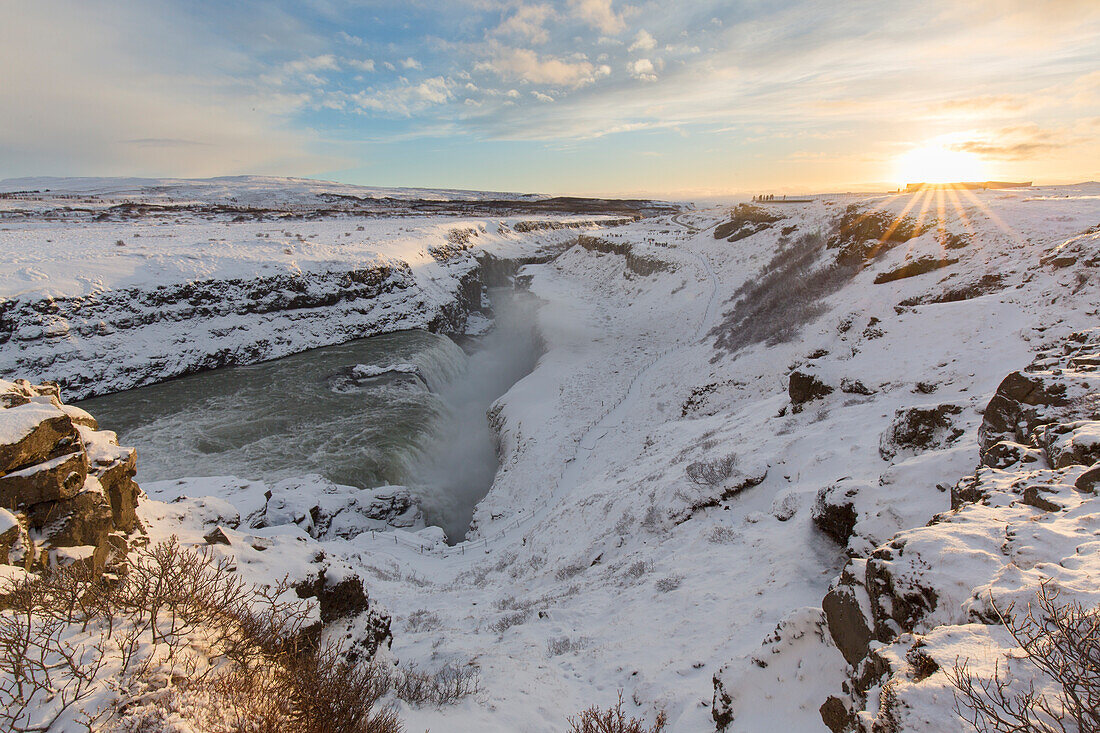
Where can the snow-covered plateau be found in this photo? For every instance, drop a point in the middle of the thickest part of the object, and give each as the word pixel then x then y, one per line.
pixel 780 465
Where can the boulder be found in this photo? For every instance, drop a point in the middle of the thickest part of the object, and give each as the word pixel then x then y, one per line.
pixel 52 480
pixel 117 479
pixel 919 429
pixel 345 599
pixel 834 512
pixel 1089 481
pixel 843 606
pixel 1070 444
pixel 83 520
pixel 802 387
pixel 32 433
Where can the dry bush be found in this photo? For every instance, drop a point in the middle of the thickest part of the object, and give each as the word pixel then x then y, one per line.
pixel 177 626
pixel 445 686
pixel 1062 642
pixel 613 720
pixel 774 306
pixel 711 472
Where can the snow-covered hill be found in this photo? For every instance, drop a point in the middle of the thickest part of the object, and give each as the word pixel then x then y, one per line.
pixel 709 379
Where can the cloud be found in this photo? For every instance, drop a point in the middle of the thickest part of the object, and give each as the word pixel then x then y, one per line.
pixel 528 22
pixel 643 42
pixel 350 39
pixel 599 14
pixel 366 65
pixel 525 64
pixel 410 63
pixel 542 97
pixel 326 62
pixel 1016 143
pixel 643 69
pixel 406 99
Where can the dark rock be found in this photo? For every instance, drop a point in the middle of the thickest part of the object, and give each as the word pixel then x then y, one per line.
pixel 915 267
pixel 83 520
pixel 745 221
pixel 638 264
pixel 920 429
pixel 347 599
pixel 1061 448
pixel 52 480
pixel 803 387
pixel 1032 497
pixel 50 433
pixel 1005 453
pixel 834 512
pixel 117 479
pixel 847 625
pixel 969 490
pixel 988 283
pixel 1089 481
pixel 721 707
pixel 216 536
pixel 835 715
pixel 855 386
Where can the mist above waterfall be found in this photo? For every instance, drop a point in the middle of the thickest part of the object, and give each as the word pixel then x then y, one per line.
pixel 461 460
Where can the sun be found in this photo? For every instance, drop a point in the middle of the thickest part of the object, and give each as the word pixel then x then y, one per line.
pixel 935 163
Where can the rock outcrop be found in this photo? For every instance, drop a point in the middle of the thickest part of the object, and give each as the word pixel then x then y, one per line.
pixel 1027 516
pixel 919 429
pixel 805 386
pixel 636 263
pixel 66 488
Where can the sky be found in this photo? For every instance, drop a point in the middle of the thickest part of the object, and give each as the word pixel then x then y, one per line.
pixel 683 99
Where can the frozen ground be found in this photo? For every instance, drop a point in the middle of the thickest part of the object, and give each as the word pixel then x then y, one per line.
pixel 650 524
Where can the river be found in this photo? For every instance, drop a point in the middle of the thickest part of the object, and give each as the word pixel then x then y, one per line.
pixel 404 408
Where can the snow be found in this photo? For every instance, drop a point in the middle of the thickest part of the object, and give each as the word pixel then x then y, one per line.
pixel 7 521
pixel 20 421
pixel 597 564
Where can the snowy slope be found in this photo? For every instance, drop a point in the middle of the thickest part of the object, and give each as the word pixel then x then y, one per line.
pixel 651 523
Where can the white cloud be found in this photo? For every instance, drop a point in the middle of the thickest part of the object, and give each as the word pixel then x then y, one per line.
pixel 523 63
pixel 410 63
pixel 542 97
pixel 407 99
pixel 642 69
pixel 350 39
pixel 366 65
pixel 599 14
pixel 528 22
pixel 327 62
pixel 643 42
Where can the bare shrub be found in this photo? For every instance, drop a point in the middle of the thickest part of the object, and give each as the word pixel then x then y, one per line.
pixel 178 626
pixel 774 306
pixel 1062 642
pixel 509 620
pixel 445 686
pixel 722 535
pixel 558 645
pixel 613 720
pixel 422 620
pixel 669 584
pixel 711 472
pixel 573 569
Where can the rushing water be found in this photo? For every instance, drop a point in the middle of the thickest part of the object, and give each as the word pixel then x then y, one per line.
pixel 402 408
